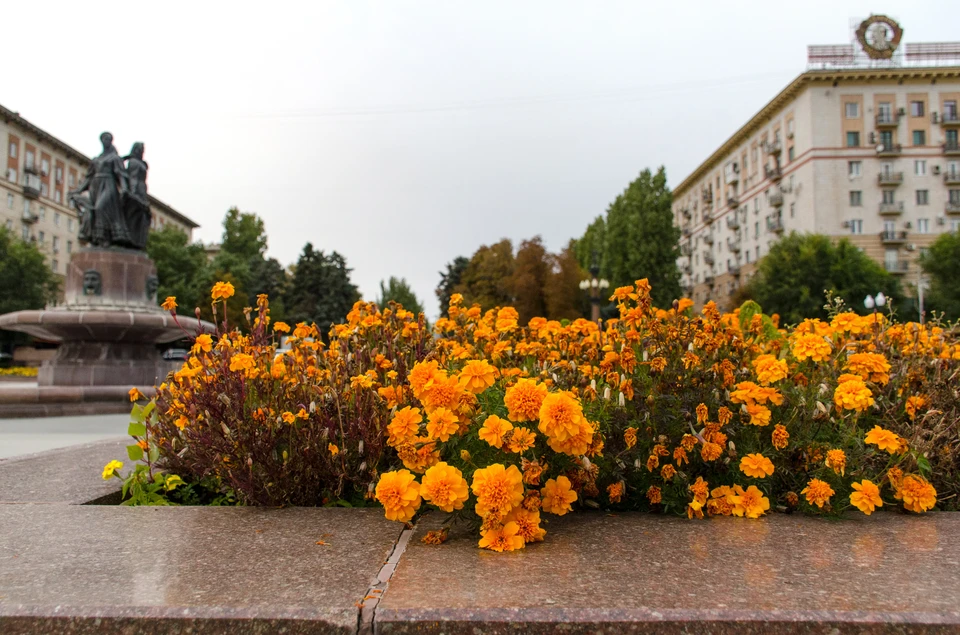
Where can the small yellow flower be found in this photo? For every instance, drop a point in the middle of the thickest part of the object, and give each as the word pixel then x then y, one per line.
pixel 203 343
pixel 171 482
pixel 444 486
pixel 399 493
pixel 135 394
pixel 222 291
pixel 818 492
pixel 110 469
pixel 170 304
pixel 281 327
pixel 333 449
pixel 837 461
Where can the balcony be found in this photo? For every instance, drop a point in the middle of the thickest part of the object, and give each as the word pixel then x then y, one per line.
pixel 734 269
pixel 890 178
pixel 893 237
pixel 775 224
pixel 774 174
pixel 31 182
pixel 708 279
pixel 888 120
pixel 708 258
pixel 951 178
pixel 889 150
pixel 891 209
pixel 732 201
pixel 951 148
pixel 776 199
pixel 731 176
pixel 733 244
pixel 898 266
pixel 707 216
pixel 953 207
pixel 686 268
pixel 773 147
pixel 708 238
pixel 685 250
pixel 686 213
pixel 29 217
pixel 686 231
pixel 949 119
pixel 733 222
pixel 708 197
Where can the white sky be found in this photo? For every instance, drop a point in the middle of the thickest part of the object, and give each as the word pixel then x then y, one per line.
pixel 403 134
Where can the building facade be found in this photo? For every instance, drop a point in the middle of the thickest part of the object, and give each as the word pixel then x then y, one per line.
pixel 38 172
pixel 870 154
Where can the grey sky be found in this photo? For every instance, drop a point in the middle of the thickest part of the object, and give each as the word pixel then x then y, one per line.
pixel 403 134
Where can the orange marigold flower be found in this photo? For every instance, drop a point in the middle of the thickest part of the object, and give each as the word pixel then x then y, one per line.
pixel 528 524
pixel 558 496
pixel 780 437
pixel 917 494
pixel 654 495
pixel 478 375
pixel 756 466
pixel 531 472
pixel 657 364
pixel 170 304
pixel 494 429
pixel 914 404
pixel 435 537
pixel 498 489
pixel 866 496
pixel 750 502
pixel 870 366
pixel 810 346
pixel 818 492
pixel 769 369
pixel 615 491
pixel 759 415
pixel 441 423
pixel 241 361
pixel 523 400
pixel 700 490
pixel 404 425
pixel 135 394
pixel 680 456
pixel 521 440
pixel 702 413
pixel 630 437
pixel 203 343
pixel 724 415
pixel 837 461
pixel 333 449
pixel 853 394
pixel 710 451
pixel 421 376
pixel 561 416
pixel 361 381
pixel 504 538
pixel 399 493
pixel 444 486
pixel 883 439
pixel 281 327
pixel 688 441
pixel 222 291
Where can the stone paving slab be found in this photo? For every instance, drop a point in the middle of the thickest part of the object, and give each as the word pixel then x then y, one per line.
pixel 100 569
pixel 642 573
pixel 66 475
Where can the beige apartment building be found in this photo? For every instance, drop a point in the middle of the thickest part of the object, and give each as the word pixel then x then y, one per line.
pixel 867 153
pixel 39 171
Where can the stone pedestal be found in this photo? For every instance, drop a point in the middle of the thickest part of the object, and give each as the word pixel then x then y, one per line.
pixel 109 325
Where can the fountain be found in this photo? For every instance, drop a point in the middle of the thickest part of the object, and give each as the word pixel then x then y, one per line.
pixel 109 324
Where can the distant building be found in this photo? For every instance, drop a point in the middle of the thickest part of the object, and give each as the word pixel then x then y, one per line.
pixel 39 171
pixel 864 145
pixel 212 250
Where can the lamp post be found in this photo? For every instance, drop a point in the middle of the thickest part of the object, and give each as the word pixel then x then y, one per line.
pixel 595 285
pixel 872 303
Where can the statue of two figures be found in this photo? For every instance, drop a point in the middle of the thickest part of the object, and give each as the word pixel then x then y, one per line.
pixel 112 199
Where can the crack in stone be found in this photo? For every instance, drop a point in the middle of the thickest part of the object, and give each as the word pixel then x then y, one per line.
pixel 366 620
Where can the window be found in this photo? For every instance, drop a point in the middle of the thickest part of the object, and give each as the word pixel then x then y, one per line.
pixel 853 139
pixel 886 168
pixel 59 174
pixel 955 224
pixel 58 196
pixel 916 108
pixel 889 227
pixel 919 137
pixel 890 257
pixel 854 168
pixel 72 179
pixel 13 149
pixel 851 110
pixel 757 253
pixel 9 225
pixel 56 219
pixel 856 226
pixel 789 127
pixel 923 197
pixel 44 167
pixel 55 265
pixel 886 139
pixel 43 213
pixel 69 246
pixel 954 197
pixel 793 209
pixel 9 201
pixel 44 189
pixel 950 110
pixel 26 208
pixel 856 198
pixel 69 224
pixel 952 139
pixel 56 243
pixel 920 168
pixel 28 160
pixel 25 232
pixel 41 237
pixel 923 225
pixel 887 196
pixel 12 175
pixel 756 230
pixel 884 111
pixel 756 205
pixel 790 154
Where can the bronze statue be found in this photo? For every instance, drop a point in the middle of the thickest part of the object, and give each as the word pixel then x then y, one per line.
pixel 136 206
pixel 106 183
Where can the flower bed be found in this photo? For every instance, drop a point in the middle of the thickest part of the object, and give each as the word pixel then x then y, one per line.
pixel 19 371
pixel 499 423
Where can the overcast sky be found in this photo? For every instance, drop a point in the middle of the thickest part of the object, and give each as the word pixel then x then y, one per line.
pixel 403 134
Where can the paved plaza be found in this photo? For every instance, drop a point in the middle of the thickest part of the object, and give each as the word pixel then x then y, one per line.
pixel 26 436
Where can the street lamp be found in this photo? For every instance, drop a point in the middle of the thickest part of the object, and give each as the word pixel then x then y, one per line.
pixel 872 303
pixel 594 285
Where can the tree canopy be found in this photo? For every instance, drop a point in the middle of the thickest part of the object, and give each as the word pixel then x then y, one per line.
pixel 181 267
pixel 399 291
pixel 26 282
pixel 449 280
pixel 793 278
pixel 320 290
pixel 942 263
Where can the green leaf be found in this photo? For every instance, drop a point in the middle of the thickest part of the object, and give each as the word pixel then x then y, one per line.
pixel 924 465
pixel 154 454
pixel 136 429
pixel 136 413
pixel 135 452
pixel 149 408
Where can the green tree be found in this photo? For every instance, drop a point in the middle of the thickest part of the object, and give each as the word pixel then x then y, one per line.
pixel 397 290
pixel 562 293
pixel 639 238
pixel 792 279
pixel 487 278
pixel 244 235
pixel 320 290
pixel 942 263
pixel 449 280
pixel 26 282
pixel 591 243
pixel 531 270
pixel 272 279
pixel 182 267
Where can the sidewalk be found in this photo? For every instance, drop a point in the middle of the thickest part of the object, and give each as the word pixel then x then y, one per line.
pixel 26 436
